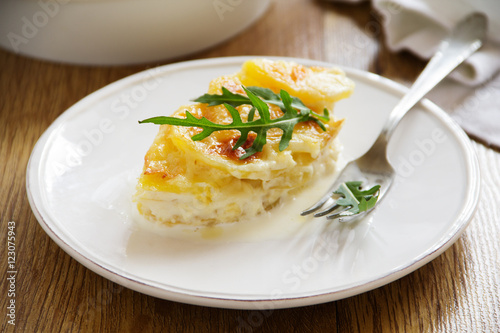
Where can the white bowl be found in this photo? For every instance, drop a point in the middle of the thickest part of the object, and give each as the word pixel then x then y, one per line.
pixel 114 32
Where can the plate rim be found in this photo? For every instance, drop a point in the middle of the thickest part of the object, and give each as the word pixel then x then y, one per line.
pixel 321 296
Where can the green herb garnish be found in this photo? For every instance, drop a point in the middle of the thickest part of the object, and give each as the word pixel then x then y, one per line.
pixel 358 200
pixel 267 95
pixel 294 112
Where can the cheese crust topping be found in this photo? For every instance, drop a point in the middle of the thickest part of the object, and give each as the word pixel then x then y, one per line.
pixel 205 182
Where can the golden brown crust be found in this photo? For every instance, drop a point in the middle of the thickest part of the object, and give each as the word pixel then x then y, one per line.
pixel 220 144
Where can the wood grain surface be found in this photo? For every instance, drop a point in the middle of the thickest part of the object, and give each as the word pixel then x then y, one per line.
pixel 457 292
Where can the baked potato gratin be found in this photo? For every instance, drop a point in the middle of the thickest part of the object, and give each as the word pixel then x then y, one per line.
pixel 206 182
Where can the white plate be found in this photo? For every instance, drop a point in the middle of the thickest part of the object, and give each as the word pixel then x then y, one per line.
pixel 83 170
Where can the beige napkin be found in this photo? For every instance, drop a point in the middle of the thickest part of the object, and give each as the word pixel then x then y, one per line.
pixel 419 25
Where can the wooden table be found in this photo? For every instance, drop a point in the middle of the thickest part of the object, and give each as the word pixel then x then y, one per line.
pixel 457 292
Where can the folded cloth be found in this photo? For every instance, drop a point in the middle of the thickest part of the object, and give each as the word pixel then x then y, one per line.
pixel 420 25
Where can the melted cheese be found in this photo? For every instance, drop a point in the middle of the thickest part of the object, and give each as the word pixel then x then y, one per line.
pixel 203 182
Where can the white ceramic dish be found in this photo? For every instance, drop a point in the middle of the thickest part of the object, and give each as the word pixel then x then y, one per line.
pixel 83 170
pixel 115 32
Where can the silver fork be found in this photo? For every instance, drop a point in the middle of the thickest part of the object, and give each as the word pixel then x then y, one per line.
pixel 373 167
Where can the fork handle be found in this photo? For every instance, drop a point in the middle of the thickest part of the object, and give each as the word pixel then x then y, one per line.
pixel 464 40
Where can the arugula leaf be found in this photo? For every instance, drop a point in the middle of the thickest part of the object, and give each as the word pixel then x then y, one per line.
pixel 293 109
pixel 267 95
pixel 358 201
pixel 227 97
